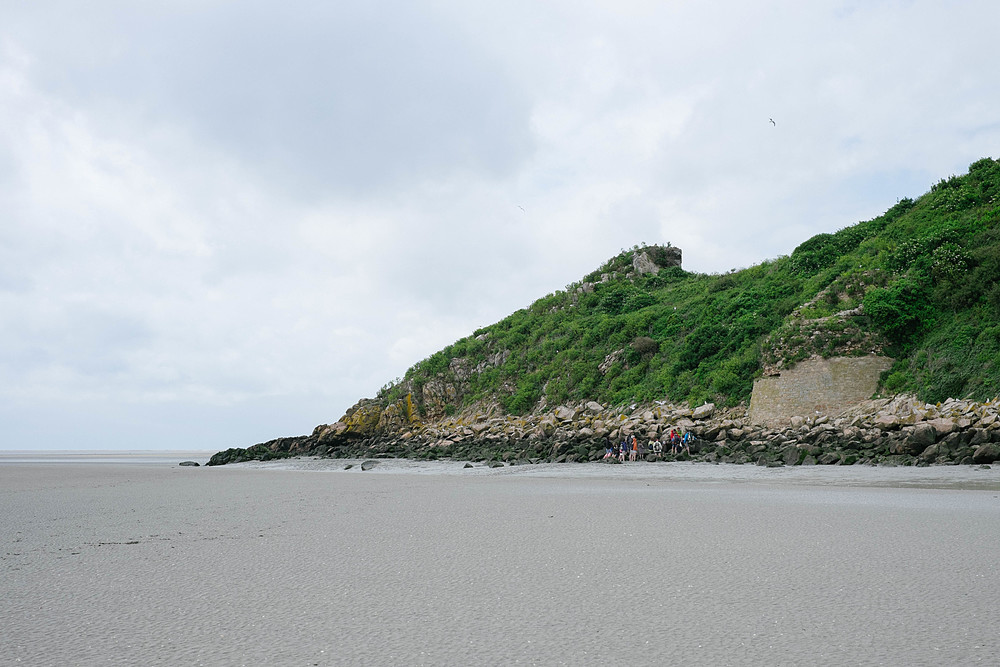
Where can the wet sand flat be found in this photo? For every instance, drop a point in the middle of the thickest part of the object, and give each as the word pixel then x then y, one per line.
pixel 161 565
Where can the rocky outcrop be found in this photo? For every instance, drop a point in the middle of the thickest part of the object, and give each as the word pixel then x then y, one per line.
pixel 652 258
pixel 898 431
pixel 643 264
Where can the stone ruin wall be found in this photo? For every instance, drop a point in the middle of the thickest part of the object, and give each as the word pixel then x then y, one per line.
pixel 823 386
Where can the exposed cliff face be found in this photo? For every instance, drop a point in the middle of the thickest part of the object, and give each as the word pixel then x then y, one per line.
pixel 436 397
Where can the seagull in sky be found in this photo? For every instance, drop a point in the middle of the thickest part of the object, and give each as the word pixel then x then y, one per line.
pixel 521 207
pixel 772 122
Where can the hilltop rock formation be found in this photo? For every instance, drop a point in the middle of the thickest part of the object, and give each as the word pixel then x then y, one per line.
pixel 653 258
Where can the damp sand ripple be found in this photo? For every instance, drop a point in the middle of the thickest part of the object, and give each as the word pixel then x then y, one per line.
pixel 122 565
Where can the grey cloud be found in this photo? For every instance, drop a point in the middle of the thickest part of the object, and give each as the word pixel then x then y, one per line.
pixel 345 97
pixel 12 279
pixel 87 339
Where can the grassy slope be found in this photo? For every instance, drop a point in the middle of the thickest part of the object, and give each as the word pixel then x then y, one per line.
pixel 927 273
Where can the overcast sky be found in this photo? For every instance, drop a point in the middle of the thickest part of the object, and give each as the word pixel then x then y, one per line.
pixel 224 222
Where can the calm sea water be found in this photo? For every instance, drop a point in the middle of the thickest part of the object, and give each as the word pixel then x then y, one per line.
pixel 143 457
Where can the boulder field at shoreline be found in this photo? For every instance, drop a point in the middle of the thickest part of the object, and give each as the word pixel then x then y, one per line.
pixel 899 431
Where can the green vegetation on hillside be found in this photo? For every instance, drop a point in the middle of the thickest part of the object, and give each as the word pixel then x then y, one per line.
pixel 926 275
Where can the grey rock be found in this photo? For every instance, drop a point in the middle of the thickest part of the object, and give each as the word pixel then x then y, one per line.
pixel 923 434
pixel 564 413
pixel 986 453
pixel 704 411
pixel 887 422
pixel 942 426
pixel 643 264
pixel 791 455
pixel 194 464
pixel 979 436
pixel 930 453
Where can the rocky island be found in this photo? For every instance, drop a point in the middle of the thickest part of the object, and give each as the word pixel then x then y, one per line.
pixel 877 344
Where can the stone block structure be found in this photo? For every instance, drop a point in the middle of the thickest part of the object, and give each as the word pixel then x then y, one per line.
pixel 815 386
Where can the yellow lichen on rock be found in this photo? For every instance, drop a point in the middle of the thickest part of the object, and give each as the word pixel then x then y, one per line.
pixel 364 418
pixel 411 409
pixel 398 416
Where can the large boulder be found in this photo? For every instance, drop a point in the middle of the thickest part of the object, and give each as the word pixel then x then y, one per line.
pixel 704 411
pixel 565 414
pixel 922 436
pixel 986 453
pixel 931 453
pixel 978 436
pixel 942 426
pixel 887 422
pixel 792 455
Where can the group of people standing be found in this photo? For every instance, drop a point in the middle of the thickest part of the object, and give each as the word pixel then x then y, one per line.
pixel 631 448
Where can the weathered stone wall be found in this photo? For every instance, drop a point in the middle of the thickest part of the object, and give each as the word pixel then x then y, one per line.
pixel 823 386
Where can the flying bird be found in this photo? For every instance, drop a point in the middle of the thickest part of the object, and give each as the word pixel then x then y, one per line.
pixel 772 122
pixel 521 207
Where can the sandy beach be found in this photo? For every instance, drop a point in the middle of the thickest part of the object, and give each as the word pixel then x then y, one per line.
pixel 301 564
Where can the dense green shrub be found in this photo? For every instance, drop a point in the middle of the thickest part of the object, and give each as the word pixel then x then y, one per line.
pixel 645 346
pixel 524 399
pixel 899 310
